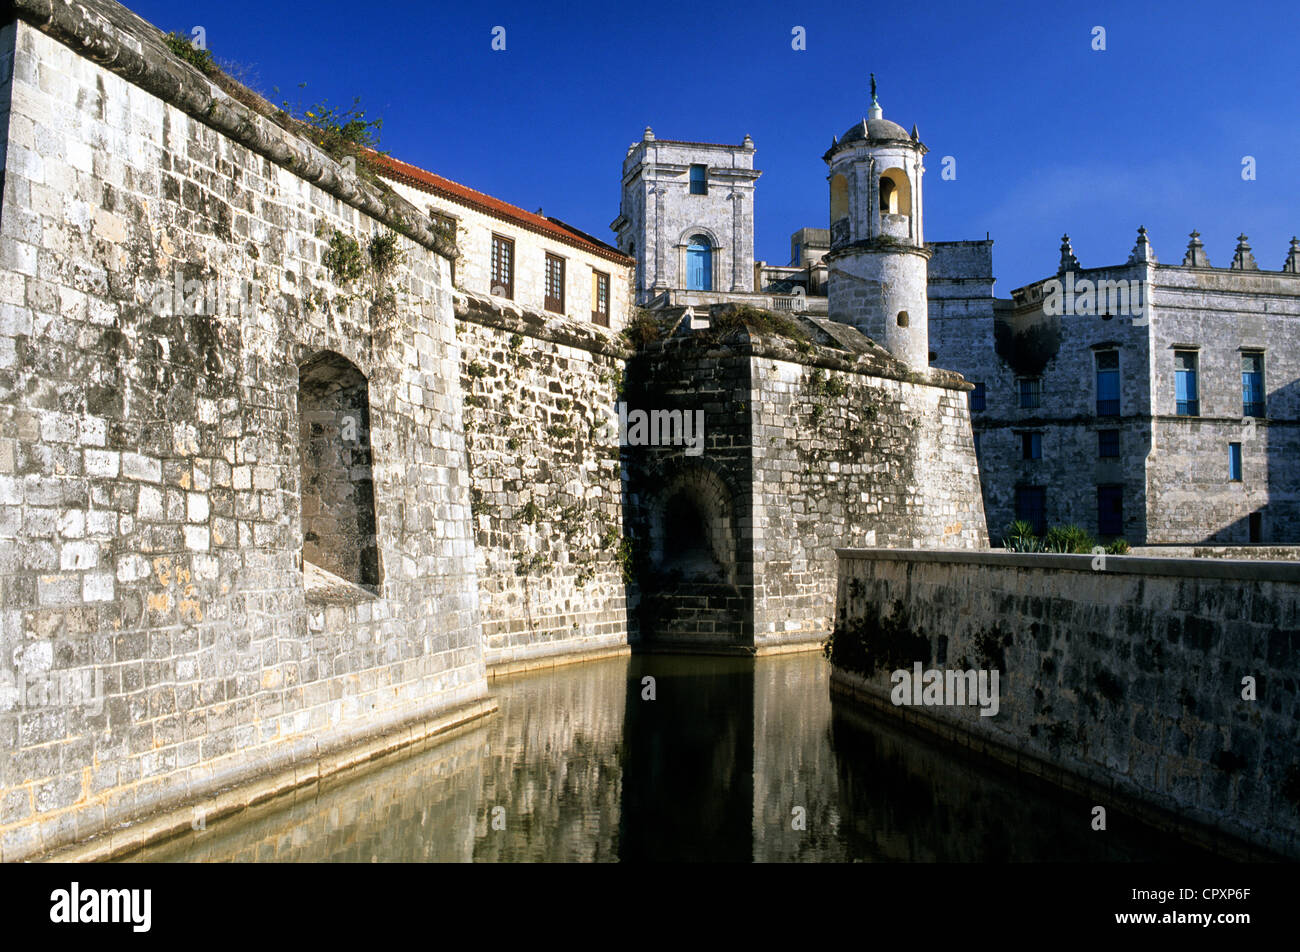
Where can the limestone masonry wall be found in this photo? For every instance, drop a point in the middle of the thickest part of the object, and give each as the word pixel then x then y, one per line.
pixel 541 432
pixel 161 289
pixel 1124 681
pixel 849 458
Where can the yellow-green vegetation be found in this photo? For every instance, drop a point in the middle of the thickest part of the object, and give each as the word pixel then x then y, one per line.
pixel 643 329
pixel 385 255
pixel 724 321
pixel 198 57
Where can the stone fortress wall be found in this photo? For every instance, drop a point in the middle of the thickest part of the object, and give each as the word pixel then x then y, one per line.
pixel 160 640
pixel 1122 680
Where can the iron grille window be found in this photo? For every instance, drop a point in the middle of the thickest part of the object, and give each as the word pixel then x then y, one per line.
pixel 600 298
pixel 1031 393
pixel 1108 444
pixel 1252 385
pixel 1031 507
pixel 1108 383
pixel 977 397
pixel 503 267
pixel 555 283
pixel 1186 394
pixel 1110 510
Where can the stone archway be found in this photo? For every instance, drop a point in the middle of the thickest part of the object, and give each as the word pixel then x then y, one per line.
pixel 338 497
pixel 692 593
pixel 692 527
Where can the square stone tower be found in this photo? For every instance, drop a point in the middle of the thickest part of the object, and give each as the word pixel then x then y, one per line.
pixel 687 215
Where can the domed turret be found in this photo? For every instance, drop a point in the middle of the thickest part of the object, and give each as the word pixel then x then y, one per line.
pixel 878 259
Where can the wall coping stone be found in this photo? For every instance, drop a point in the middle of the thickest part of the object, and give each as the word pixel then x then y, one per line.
pixel 1252 570
pixel 110 35
pixel 542 325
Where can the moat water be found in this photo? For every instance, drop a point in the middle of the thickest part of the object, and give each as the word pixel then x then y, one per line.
pixel 733 760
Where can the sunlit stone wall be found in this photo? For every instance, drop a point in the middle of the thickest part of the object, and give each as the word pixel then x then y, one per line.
pixel 157 639
pixel 1164 687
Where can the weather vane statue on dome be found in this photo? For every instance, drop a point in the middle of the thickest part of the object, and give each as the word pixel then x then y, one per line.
pixel 873 88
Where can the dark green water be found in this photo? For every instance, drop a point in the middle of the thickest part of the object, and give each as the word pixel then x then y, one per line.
pixel 577 767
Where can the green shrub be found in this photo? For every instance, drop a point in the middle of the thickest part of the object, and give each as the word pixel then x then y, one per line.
pixel 1020 538
pixel 643 329
pixel 385 255
pixel 1117 547
pixel 1070 539
pixel 343 259
pixel 725 320
pixel 341 131
pixel 200 59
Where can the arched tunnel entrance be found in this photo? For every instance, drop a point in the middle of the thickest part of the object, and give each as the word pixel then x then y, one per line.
pixel 688 551
pixel 691 595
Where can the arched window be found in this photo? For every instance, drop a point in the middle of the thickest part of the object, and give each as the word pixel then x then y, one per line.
pixel 338 496
pixel 895 193
pixel 839 198
pixel 699 264
pixel 888 197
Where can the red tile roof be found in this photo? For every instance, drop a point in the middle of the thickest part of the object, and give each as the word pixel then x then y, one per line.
pixel 408 174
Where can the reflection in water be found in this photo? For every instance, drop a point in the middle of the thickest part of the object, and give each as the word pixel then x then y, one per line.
pixel 721 765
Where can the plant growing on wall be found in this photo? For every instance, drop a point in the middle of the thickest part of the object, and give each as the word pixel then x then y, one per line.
pixel 343 259
pixel 199 58
pixel 868 644
pixel 384 253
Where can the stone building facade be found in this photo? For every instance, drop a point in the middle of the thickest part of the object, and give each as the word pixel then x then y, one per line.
pixel 1160 406
pixel 538 262
pixel 686 217
pixel 814 433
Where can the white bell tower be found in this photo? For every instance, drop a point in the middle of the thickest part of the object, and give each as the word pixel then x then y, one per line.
pixel 878 262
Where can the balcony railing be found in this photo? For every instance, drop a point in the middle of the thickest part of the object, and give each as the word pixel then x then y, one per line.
pixel 1108 407
pixel 1188 407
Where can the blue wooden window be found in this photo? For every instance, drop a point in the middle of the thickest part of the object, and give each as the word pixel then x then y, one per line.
pixel 978 397
pixel 699 265
pixel 1108 383
pixel 699 180
pixel 1234 462
pixel 1031 445
pixel 1108 444
pixel 1186 394
pixel 1110 510
pixel 1252 385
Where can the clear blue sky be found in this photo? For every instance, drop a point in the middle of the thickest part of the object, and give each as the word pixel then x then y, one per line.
pixel 1048 135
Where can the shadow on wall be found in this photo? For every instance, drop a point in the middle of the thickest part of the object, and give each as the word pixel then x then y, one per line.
pixel 1277 520
pixel 1027 341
